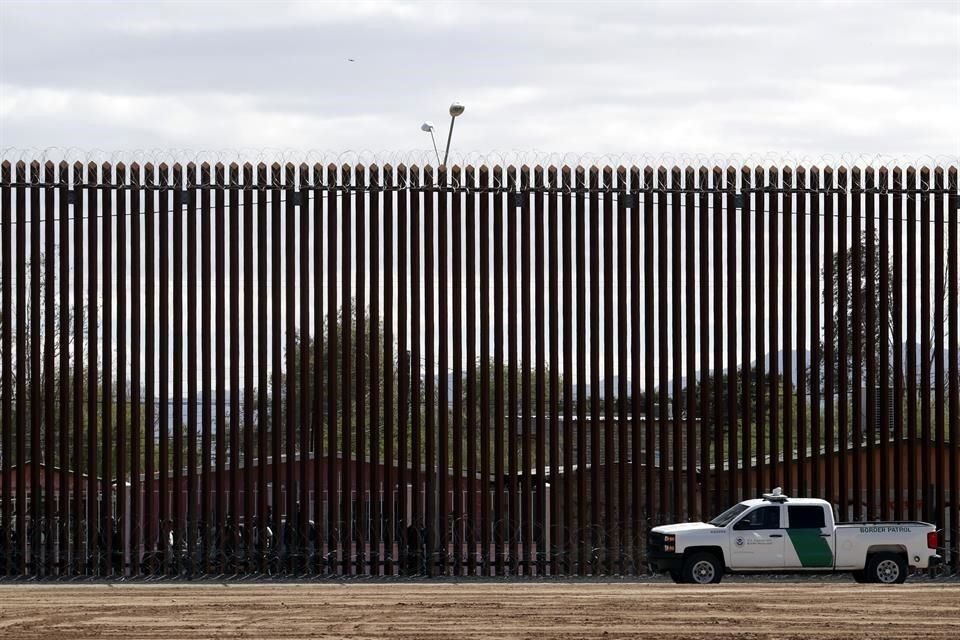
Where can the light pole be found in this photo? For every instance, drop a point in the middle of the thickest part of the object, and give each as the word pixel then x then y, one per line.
pixel 428 127
pixel 456 109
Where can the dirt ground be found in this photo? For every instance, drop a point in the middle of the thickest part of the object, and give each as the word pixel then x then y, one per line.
pixel 480 610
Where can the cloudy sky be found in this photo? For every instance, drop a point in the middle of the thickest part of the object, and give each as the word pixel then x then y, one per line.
pixel 803 78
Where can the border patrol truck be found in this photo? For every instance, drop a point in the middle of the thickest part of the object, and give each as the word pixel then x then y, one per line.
pixel 778 534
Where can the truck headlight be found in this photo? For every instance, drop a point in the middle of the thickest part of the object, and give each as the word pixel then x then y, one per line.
pixel 669 543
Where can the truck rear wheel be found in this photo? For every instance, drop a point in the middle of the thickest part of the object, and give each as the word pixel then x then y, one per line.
pixel 887 568
pixel 702 568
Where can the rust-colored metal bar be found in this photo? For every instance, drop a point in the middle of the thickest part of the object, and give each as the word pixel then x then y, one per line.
pixel 939 348
pixel 485 426
pixel 763 481
pixel 663 300
pixel 431 523
pixel 403 365
pixel 346 376
pixel 470 508
pixel 203 518
pixel 151 321
pixel 220 485
pixel 499 522
pixel 816 349
pixel 35 510
pixel 441 378
pixel 457 514
pixel 621 523
pixel 389 410
pixel 884 335
pixel 803 465
pixel 178 363
pixel 690 337
pixel 376 399
pixel 319 387
pixel 275 513
pixel 706 497
pixel 676 334
pixel 830 332
pixel 910 301
pixel 803 460
pixel 164 215
pixel 717 404
pixel 360 374
pixel 897 321
pixel 193 558
pixel 638 543
pixel 856 363
pixel 595 330
pixel 262 342
pixel 334 526
pixel 526 364
pixel 414 539
pixel 926 352
pixel 93 298
pixel 583 529
pixel 747 370
pixel 843 340
pixel 64 547
pixel 307 389
pixel 122 514
pixel 290 545
pixel 872 345
pixel 773 320
pixel 570 504
pixel 789 468
pixel 471 520
pixel 6 353
pixel 235 506
pixel 48 567
pixel 730 206
pixel 556 530
pixel 650 505
pixel 953 278
pixel 606 526
pixel 539 516
pixel 249 364
pixel 513 445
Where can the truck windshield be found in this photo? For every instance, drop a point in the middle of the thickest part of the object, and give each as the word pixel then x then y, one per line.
pixel 729 515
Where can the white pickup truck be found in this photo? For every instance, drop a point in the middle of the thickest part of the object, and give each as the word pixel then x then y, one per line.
pixel 778 534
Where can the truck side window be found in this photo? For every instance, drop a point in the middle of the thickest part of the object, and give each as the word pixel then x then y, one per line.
pixel 806 517
pixel 762 518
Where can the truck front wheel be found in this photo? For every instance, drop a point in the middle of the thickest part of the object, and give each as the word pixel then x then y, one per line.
pixel 887 568
pixel 702 568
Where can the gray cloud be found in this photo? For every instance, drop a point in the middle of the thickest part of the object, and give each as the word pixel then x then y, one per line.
pixel 812 78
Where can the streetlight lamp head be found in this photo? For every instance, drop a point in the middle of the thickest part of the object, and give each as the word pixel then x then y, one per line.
pixel 456 109
pixel 427 127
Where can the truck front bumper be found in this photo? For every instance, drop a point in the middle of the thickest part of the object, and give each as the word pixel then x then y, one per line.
pixel 660 561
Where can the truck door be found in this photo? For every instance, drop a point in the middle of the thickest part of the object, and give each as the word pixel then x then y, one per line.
pixel 810 539
pixel 757 540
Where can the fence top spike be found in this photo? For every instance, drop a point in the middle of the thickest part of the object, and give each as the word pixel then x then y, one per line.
pixel 924 170
pixel 5 164
pixel 911 170
pixel 469 169
pixel 205 166
pixel 63 164
pixel 332 166
pixel 48 164
pixel 938 171
pixel 359 168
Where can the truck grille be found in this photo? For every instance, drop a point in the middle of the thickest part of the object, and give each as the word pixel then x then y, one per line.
pixel 655 542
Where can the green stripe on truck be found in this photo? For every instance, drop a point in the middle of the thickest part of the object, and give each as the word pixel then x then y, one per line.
pixel 812 549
